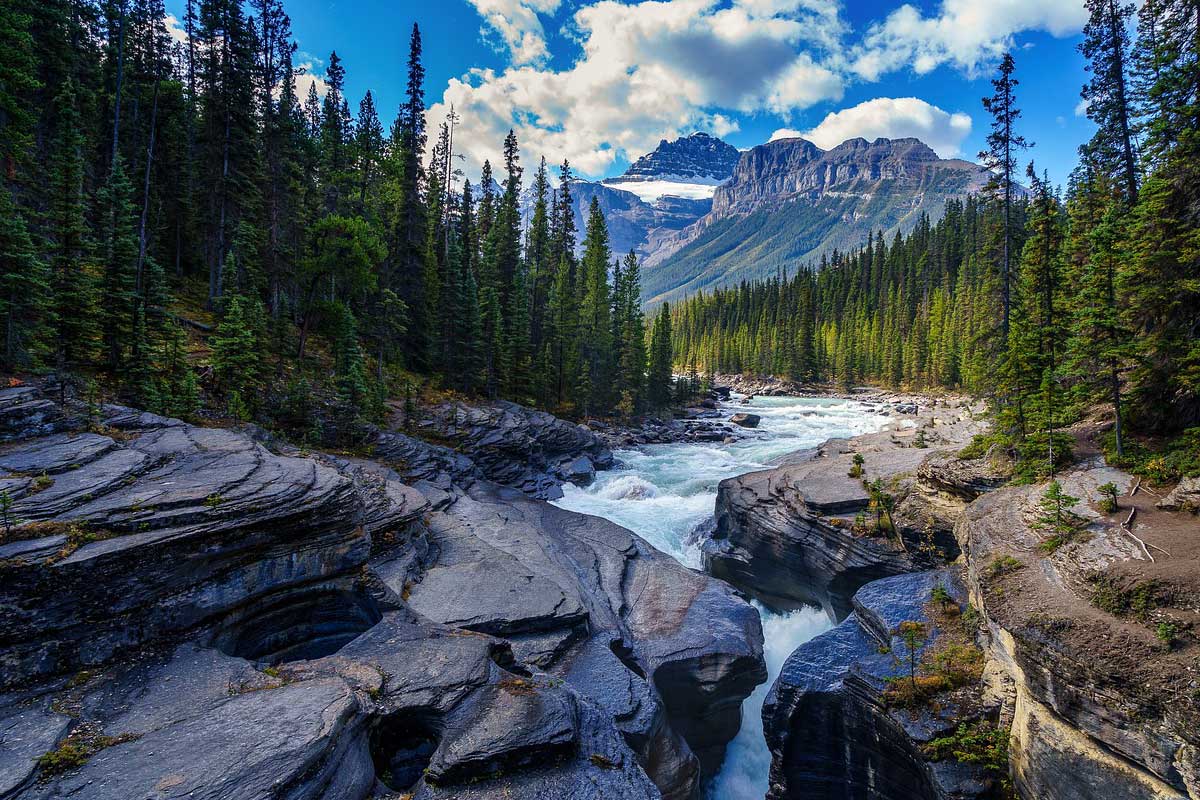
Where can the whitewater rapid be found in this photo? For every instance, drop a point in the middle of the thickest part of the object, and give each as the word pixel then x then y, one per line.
pixel 665 491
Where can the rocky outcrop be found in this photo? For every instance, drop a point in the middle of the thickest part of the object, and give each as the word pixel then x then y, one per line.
pixel 695 156
pixel 1184 497
pixel 833 730
pixel 805 533
pixel 789 203
pixel 686 649
pixel 785 536
pixel 512 445
pixel 187 613
pixel 1099 706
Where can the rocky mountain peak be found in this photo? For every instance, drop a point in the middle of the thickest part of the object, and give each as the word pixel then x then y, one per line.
pixel 699 156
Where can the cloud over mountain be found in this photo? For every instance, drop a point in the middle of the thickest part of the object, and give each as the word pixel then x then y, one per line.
pixel 890 118
pixel 655 69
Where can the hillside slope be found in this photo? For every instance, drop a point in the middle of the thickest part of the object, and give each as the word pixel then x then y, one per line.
pixel 789 202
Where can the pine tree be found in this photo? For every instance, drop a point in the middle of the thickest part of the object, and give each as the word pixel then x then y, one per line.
pixel 74 284
pixel 120 310
pixel 349 367
pixel 236 358
pixel 1099 343
pixel 18 82
pixel 658 378
pixel 25 291
pixel 1106 46
pixel 633 335
pixel 595 326
pixel 1000 158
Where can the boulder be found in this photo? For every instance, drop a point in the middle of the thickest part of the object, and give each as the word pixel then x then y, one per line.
pixel 513 445
pixel 746 420
pixel 1184 497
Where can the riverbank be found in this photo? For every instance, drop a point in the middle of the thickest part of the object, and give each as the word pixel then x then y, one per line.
pixel 1057 662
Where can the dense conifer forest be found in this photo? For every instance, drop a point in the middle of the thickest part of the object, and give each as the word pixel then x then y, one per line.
pixel 181 230
pixel 1050 302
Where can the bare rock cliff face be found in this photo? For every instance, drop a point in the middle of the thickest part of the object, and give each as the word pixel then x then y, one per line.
pixel 187 613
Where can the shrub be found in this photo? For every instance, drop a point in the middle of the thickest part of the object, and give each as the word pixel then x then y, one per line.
pixel 1167 633
pixel 1108 497
pixel 856 470
pixel 1002 565
pixel 64 758
pixel 940 595
pixel 1137 600
pixel 957 664
pixel 982 743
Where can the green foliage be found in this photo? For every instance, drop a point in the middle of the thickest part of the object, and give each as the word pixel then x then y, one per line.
pixel 1001 566
pixel 1123 599
pixel 882 504
pixel 1056 521
pixel 1167 633
pixel 1108 497
pixel 1177 458
pixel 237 355
pixel 982 744
pixel 856 468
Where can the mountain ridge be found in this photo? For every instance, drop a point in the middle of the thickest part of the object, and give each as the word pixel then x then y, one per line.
pixel 788 202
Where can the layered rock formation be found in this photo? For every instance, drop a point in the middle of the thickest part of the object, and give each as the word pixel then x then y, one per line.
pixel 1073 676
pixel 802 533
pixel 515 446
pixel 789 202
pixel 185 613
pixel 832 730
pixel 1100 706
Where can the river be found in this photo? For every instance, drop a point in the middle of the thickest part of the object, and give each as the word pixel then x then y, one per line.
pixel 665 491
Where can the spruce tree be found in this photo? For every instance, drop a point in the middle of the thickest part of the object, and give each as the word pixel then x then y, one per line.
pixel 119 306
pixel 1106 46
pixel 236 357
pixel 74 282
pixel 595 327
pixel 1000 159
pixel 658 378
pixel 25 291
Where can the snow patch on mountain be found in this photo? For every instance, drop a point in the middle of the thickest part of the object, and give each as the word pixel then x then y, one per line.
pixel 685 187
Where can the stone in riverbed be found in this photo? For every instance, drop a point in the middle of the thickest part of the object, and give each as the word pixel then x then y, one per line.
pixel 746 420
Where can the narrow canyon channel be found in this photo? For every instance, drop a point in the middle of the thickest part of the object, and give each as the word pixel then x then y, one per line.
pixel 664 492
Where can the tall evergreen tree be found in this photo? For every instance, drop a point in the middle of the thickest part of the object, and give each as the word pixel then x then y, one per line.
pixel 1000 158
pixel 1106 46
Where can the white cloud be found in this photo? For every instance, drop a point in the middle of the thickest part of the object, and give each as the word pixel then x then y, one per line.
pixel 309 73
pixel 649 70
pixel 517 23
pixel 1081 108
pixel 966 34
pixel 890 118
pixel 176 30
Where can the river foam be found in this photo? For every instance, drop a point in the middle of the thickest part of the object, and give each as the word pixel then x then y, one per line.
pixel 664 491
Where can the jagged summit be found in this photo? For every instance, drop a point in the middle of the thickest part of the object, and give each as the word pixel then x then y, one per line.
pixel 788 202
pixel 698 157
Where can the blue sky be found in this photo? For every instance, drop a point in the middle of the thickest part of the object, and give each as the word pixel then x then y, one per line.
pixel 601 82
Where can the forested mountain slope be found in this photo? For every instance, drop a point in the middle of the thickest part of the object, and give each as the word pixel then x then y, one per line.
pixel 789 203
